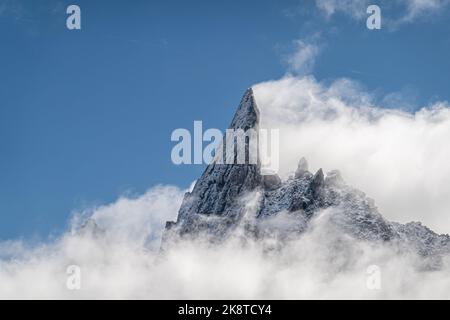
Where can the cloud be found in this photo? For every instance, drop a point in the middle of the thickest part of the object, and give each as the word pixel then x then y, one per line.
pixel 322 263
pixel 398 158
pixel 418 8
pixel 303 59
pixel 354 8
pixel 406 11
pixel 137 219
pixel 115 261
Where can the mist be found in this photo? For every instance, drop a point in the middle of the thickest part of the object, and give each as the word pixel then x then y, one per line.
pixel 398 158
pixel 321 263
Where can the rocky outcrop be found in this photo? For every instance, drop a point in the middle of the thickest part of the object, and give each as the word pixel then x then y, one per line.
pixel 89 228
pixel 219 201
pixel 216 195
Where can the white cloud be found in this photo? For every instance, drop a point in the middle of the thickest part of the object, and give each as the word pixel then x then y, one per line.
pixel 302 60
pixel 354 8
pixel 398 158
pixel 140 219
pixel 407 11
pixel 114 263
pixel 417 8
pixel 321 264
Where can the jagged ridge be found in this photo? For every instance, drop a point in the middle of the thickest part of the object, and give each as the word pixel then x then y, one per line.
pixel 216 204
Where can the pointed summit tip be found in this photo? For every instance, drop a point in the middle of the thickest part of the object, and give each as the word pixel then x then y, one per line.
pixel 319 177
pixel 317 183
pixel 247 114
pixel 249 96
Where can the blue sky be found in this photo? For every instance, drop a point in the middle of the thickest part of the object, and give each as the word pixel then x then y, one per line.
pixel 86 115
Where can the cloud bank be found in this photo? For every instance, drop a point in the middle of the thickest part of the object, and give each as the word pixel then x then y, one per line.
pixel 117 263
pixel 398 158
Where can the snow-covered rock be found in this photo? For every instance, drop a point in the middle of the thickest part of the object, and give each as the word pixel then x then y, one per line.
pixel 219 203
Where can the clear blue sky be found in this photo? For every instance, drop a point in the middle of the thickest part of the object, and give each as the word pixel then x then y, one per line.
pixel 86 115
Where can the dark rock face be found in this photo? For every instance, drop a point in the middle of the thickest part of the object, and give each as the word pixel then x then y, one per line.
pixel 216 195
pixel 218 203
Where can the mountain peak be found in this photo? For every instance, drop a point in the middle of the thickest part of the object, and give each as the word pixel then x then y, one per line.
pixel 247 114
pixel 219 201
pixel 220 188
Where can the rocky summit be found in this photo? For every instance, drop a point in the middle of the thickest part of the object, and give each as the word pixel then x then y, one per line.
pixel 227 196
